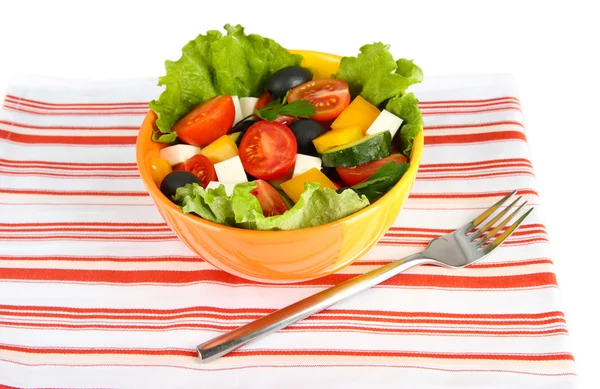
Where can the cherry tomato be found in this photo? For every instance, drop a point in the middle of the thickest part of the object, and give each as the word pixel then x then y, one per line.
pixel 201 166
pixel 286 120
pixel 357 174
pixel 330 97
pixel 263 100
pixel 159 168
pixel 270 200
pixel 207 122
pixel 268 150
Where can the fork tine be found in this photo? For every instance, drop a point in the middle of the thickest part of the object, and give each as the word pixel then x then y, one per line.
pixel 499 226
pixel 480 231
pixel 479 219
pixel 498 241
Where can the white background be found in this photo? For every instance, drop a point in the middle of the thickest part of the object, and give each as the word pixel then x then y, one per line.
pixel 552 48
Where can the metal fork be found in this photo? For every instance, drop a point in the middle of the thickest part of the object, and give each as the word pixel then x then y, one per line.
pixel 457 249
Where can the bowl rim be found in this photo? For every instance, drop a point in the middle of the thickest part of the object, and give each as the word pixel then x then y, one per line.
pixel 158 196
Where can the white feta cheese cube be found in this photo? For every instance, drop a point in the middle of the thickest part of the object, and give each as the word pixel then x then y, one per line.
pixel 177 154
pixel 247 104
pixel 305 163
pixel 386 121
pixel 238 110
pixel 231 170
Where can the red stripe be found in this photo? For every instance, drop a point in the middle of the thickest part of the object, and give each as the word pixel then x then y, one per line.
pixel 457 168
pixel 443 105
pixel 475 265
pixel 118 238
pixel 185 277
pixel 293 328
pixel 137 103
pixel 22 103
pixel 79 229
pixel 469 101
pixel 70 168
pixel 65 175
pixel 68 140
pixel 73 165
pixel 477 163
pixel 508 242
pixel 264 311
pixel 425 177
pixel 474 138
pixel 317 352
pixel 473 125
pixel 446 230
pixel 432 236
pixel 31 126
pixel 73 193
pixel 81 113
pixel 470 111
pixel 469 195
pixel 320 318
pixel 103 259
pixel 105 224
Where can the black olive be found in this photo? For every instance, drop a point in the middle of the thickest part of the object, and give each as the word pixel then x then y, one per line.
pixel 242 127
pixel 177 179
pixel 285 79
pixel 305 131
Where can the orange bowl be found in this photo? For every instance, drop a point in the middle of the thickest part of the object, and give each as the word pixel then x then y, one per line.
pixel 281 256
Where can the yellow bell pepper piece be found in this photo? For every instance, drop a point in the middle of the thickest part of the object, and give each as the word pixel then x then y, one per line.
pixel 359 113
pixel 295 187
pixel 159 168
pixel 337 137
pixel 220 150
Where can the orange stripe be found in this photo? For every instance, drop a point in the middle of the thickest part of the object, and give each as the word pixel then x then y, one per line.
pixel 469 195
pixel 103 259
pixel 22 125
pixel 264 311
pixel 456 168
pixel 137 103
pixel 331 316
pixel 103 224
pixel 67 140
pixel 71 165
pixel 473 125
pixel 474 138
pixel 292 328
pixel 183 277
pixel 469 101
pixel 79 229
pixel 477 163
pixel 317 352
pixel 425 177
pixel 73 193
pixel 171 237
pixel 79 113
pixel 65 175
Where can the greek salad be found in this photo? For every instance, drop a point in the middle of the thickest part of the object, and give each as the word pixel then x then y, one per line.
pixel 255 142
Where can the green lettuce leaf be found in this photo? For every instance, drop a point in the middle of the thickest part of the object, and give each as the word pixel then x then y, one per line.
pixel 383 180
pixel 408 69
pixel 212 64
pixel 212 204
pixel 242 209
pixel 407 108
pixel 375 75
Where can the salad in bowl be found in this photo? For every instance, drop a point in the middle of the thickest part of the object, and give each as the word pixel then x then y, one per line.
pixel 280 165
pixel 255 142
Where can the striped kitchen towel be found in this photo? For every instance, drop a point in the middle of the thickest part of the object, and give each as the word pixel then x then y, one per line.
pixel 97 292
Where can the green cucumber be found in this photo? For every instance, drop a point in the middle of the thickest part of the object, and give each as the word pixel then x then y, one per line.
pixel 368 149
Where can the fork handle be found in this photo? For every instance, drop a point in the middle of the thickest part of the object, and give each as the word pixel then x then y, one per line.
pixel 282 318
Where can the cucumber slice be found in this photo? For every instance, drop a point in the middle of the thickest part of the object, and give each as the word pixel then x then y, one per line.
pixel 365 150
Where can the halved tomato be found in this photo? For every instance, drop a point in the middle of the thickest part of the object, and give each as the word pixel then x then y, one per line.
pixel 286 120
pixel 357 174
pixel 263 100
pixel 268 150
pixel 329 96
pixel 270 200
pixel 200 166
pixel 207 122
